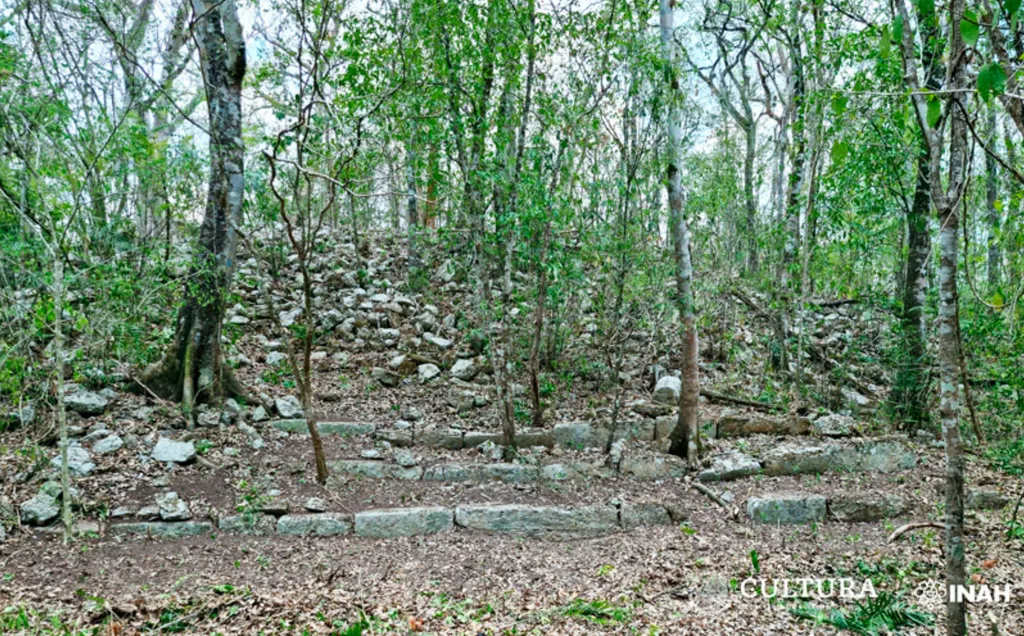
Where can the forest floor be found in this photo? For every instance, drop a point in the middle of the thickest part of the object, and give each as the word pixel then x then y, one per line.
pixel 666 579
pixel 680 571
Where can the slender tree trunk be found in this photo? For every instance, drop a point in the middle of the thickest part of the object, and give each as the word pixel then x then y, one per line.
pixel 948 408
pixel 779 174
pixel 794 190
pixel 994 265
pixel 433 175
pixel 685 438
pixel 62 420
pixel 910 393
pixel 956 618
pixel 750 221
pixel 306 377
pixel 412 217
pixel 910 398
pixel 542 287
pixel 538 325
pixel 192 368
pixel 1013 199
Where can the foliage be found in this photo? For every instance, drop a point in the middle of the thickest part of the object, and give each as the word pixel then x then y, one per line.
pixel 883 614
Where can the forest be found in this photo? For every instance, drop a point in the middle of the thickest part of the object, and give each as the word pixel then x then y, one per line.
pixel 511 317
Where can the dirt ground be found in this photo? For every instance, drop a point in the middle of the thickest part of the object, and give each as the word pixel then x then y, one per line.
pixel 652 580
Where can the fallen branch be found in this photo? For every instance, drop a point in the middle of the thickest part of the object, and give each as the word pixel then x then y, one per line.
pixel 148 390
pixel 721 397
pixel 202 461
pixel 749 302
pixel 415 357
pixel 715 497
pixel 898 532
pixel 836 303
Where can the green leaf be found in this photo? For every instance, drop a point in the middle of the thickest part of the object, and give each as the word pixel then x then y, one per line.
pixel 839 151
pixel 839 102
pixel 926 8
pixel 883 49
pixel 897 29
pixel 934 111
pixel 1012 6
pixel 969 28
pixel 991 81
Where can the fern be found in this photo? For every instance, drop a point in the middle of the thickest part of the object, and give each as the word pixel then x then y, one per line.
pixel 884 613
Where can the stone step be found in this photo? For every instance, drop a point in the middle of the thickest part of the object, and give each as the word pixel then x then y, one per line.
pixel 639 468
pixel 568 435
pixel 881 454
pixel 524 520
pixel 800 508
pixel 862 456
pixel 388 523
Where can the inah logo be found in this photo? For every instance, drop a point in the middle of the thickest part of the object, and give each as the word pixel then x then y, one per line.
pixel 938 592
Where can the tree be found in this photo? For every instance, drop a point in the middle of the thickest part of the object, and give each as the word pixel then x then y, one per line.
pixel 686 435
pixel 994 261
pixel 947 198
pixel 192 369
pixel 736 29
pixel 910 395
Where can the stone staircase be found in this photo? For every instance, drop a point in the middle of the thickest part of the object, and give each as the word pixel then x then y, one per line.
pixel 632 487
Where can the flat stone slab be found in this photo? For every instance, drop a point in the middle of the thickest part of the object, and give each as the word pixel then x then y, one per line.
pixel 39 510
pixel 479 473
pixel 446 438
pixel 667 390
pixel 651 468
pixel 86 403
pixel 786 508
pixel 580 435
pixel 986 500
pixel 870 455
pixel 169 450
pixel 525 520
pixel 345 429
pixel 168 529
pixel 643 514
pixel 730 465
pixel 325 524
pixel 394 437
pixel 403 522
pixel 734 423
pixel 80 463
pixel 865 508
pixel 259 525
pixel 375 469
pixel 472 439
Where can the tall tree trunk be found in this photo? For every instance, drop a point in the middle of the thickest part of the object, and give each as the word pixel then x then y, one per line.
pixel 794 189
pixel 994 264
pixel 412 217
pixel 750 221
pixel 946 198
pixel 946 205
pixel 1013 198
pixel 433 175
pixel 58 356
pixel 685 438
pixel 192 368
pixel 909 396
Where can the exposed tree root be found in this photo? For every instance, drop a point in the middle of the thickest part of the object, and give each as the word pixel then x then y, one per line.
pixel 898 532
